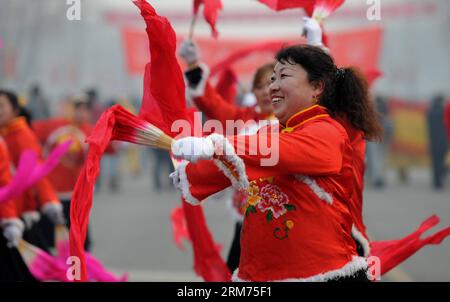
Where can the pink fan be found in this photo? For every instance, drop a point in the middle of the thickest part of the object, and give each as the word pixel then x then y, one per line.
pixel 324 8
pixel 96 270
pixel 278 5
pixel 30 171
pixel 42 266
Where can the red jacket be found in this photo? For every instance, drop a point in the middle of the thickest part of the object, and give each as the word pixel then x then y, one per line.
pixel 19 137
pixel 358 144
pixel 55 131
pixel 9 209
pixel 298 221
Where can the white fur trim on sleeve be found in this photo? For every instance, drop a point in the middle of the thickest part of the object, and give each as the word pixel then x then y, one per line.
pixel 358 236
pixel 319 191
pixel 221 143
pixel 199 91
pixel 184 184
pixel 348 270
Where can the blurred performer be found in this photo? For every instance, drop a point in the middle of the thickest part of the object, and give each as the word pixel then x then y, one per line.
pixel 18 136
pixel 38 104
pixel 438 145
pixel 162 167
pixel 55 131
pixel 447 120
pixel 377 151
pixel 211 103
pixel 109 173
pixel 12 266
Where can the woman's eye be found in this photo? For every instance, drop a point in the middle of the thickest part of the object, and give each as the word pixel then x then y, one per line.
pixel 283 75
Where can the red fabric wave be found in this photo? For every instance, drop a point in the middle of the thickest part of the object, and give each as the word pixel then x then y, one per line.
pixel 393 252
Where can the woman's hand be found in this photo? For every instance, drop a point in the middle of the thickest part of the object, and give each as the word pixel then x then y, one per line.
pixel 189 53
pixel 12 231
pixel 313 31
pixel 193 148
pixel 54 212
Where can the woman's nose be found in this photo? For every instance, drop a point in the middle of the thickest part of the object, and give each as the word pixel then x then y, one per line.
pixel 273 87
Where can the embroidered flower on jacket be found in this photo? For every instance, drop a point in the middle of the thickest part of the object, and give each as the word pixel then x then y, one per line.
pixel 273 199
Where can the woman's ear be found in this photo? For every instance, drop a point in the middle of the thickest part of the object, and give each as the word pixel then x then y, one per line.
pixel 319 87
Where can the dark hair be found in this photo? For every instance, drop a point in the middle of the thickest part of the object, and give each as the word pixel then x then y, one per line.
pixel 346 92
pixel 260 72
pixel 14 101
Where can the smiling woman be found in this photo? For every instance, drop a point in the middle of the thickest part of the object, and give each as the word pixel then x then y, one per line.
pixel 307 193
pixel 306 75
pixel 291 91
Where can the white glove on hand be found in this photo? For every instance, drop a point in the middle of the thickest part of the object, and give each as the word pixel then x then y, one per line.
pixel 30 218
pixel 313 31
pixel 193 148
pixel 12 231
pixel 175 177
pixel 189 52
pixel 54 212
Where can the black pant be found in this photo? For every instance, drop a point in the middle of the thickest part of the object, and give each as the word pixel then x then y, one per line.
pixel 12 265
pixel 39 236
pixel 235 250
pixel 359 276
pixel 47 228
pixel 66 209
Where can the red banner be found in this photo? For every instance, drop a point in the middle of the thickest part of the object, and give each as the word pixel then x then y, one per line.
pixel 359 48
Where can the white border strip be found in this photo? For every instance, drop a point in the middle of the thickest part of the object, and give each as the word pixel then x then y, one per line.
pixel 352 267
pixel 184 184
pixel 358 236
pixel 319 191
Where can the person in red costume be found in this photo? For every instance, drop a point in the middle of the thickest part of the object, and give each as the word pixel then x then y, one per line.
pixel 15 129
pixel 52 132
pixel 390 253
pixel 207 99
pixel 12 266
pixel 298 206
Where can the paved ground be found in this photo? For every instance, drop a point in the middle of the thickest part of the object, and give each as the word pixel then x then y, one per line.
pixel 132 232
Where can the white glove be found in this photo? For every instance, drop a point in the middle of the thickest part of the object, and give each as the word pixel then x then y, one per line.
pixel 30 218
pixel 175 177
pixel 193 148
pixel 189 52
pixel 12 231
pixel 54 212
pixel 313 31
